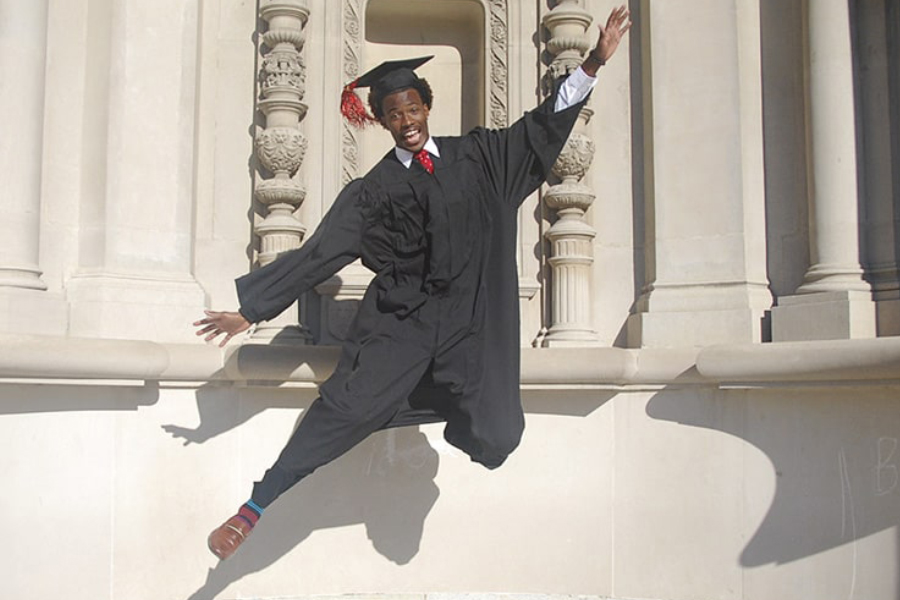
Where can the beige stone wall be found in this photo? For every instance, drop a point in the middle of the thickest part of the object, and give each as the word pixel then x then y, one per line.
pixel 744 493
pixel 745 184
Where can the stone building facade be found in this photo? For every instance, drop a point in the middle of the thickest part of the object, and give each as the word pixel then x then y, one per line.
pixel 709 293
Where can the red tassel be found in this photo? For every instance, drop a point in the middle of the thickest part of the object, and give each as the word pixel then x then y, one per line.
pixel 353 109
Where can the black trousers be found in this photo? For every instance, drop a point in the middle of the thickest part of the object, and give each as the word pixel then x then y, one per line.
pixel 371 389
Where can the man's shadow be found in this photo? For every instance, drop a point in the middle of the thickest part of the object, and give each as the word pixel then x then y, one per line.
pixel 271 364
pixel 362 486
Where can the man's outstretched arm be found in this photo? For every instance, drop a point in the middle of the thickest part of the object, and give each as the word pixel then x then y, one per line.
pixel 268 291
pixel 520 157
pixel 580 83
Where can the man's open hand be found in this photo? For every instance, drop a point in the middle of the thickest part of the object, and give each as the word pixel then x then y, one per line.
pixel 617 25
pixel 217 323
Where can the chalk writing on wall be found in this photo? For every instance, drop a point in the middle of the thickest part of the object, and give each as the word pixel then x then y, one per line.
pixel 886 475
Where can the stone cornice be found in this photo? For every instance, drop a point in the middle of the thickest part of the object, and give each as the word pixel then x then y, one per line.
pixel 48 359
pixel 875 359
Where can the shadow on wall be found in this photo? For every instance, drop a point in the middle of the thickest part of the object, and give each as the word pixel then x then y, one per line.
pixel 362 486
pixel 29 398
pixel 218 417
pixel 217 414
pixel 835 456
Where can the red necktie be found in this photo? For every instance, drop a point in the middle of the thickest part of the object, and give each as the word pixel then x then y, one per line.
pixel 425 159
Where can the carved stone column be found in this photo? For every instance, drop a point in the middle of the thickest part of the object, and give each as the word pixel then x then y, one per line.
pixel 571 240
pixel 571 237
pixel 280 147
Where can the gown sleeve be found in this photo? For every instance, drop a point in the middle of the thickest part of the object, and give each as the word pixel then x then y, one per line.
pixel 268 291
pixel 520 157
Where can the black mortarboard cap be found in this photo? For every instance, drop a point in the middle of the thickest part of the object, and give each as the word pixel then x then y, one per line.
pixel 389 76
pixel 393 75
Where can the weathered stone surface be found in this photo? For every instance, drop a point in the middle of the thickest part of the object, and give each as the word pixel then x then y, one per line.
pixel 737 173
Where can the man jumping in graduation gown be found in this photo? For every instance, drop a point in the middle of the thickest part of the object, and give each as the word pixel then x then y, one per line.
pixel 436 337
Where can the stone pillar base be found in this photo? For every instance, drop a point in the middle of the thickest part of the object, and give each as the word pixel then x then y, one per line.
pixel 563 337
pixel 888 317
pixel 134 307
pixel 824 316
pixel 33 312
pixel 694 328
pixel 558 343
pixel 699 314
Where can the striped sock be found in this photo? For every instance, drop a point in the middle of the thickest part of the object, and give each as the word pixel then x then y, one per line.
pixel 250 512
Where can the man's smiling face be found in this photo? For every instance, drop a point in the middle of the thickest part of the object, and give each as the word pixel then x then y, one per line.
pixel 406 117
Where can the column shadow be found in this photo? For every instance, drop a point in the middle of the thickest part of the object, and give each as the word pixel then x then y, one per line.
pixel 835 461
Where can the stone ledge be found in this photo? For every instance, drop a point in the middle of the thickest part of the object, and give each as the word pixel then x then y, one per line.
pixel 844 360
pixel 49 359
pixel 448 596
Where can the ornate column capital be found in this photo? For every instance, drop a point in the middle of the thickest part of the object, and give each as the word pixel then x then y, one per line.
pixel 567 24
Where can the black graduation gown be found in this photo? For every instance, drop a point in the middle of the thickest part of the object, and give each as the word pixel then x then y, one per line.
pixel 443 250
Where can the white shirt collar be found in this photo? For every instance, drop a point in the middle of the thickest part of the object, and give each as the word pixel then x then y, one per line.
pixel 406 157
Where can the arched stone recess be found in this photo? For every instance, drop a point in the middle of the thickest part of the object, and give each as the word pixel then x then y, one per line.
pixel 493 95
